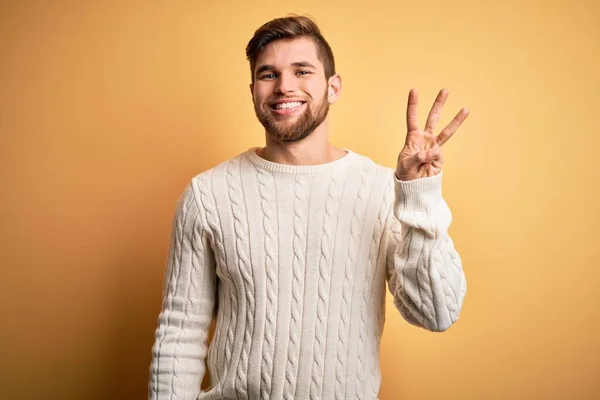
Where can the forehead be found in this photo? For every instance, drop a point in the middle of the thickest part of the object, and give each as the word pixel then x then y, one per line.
pixel 282 53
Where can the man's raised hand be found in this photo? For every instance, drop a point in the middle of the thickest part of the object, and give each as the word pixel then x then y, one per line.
pixel 422 153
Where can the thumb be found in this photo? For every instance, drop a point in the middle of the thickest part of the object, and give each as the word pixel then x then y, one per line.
pixel 425 156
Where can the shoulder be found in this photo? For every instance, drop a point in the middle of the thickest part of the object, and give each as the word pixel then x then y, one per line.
pixel 379 178
pixel 200 186
pixel 378 170
pixel 205 179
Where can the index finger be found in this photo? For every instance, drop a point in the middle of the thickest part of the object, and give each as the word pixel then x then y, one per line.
pixel 411 111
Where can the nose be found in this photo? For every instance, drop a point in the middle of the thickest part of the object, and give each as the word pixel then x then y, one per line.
pixel 285 84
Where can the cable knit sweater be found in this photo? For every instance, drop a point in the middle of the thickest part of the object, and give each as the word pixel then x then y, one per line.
pixel 293 262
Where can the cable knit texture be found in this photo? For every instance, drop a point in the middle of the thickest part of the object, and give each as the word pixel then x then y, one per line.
pixel 292 262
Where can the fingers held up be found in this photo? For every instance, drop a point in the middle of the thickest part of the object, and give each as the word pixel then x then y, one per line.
pixel 434 116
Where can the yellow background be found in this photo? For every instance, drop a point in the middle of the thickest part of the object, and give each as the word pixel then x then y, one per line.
pixel 108 109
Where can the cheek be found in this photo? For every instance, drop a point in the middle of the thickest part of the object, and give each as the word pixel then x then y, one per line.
pixel 257 98
pixel 316 90
pixel 261 94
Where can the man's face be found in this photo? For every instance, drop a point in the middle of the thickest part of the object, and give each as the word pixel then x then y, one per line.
pixel 290 92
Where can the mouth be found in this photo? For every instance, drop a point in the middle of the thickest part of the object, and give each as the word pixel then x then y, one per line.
pixel 287 107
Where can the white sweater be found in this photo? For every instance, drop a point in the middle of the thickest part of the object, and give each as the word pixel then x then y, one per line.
pixel 293 263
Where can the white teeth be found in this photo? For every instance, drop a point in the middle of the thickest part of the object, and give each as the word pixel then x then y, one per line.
pixel 287 106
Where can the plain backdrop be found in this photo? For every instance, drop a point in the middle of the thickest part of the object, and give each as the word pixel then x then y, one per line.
pixel 108 109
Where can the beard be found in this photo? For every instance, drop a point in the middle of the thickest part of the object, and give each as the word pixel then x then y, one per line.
pixel 282 131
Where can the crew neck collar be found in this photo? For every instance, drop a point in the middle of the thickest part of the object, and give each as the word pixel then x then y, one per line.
pixel 332 166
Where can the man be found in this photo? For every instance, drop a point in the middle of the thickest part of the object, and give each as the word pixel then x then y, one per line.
pixel 290 246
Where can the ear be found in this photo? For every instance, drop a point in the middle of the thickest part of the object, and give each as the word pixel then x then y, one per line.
pixel 334 87
pixel 252 89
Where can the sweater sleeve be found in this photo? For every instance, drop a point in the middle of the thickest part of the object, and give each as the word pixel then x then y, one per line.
pixel 188 300
pixel 424 270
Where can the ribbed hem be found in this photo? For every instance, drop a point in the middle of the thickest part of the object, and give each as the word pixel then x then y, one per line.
pixel 337 165
pixel 422 194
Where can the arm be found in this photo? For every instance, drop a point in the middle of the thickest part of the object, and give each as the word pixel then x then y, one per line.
pixel 424 270
pixel 188 300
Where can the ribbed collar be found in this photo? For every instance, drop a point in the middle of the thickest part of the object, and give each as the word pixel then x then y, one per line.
pixel 340 164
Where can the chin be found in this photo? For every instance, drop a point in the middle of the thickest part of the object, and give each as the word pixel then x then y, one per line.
pixel 288 139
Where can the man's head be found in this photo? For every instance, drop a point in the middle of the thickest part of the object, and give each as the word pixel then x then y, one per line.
pixel 293 77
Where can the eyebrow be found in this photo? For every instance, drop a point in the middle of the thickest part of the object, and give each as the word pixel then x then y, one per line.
pixel 268 67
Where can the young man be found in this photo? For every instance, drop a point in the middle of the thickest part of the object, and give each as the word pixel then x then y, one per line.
pixel 290 246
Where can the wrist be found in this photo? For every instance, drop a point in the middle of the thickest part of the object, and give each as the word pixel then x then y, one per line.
pixel 422 194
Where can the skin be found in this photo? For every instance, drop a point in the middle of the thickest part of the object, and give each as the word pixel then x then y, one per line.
pixel 421 155
pixel 286 79
pixel 291 69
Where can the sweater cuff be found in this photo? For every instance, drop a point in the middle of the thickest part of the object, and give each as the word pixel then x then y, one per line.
pixel 419 195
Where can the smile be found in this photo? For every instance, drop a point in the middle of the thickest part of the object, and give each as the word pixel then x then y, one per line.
pixel 287 108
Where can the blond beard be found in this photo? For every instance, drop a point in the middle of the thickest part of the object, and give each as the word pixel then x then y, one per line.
pixel 301 129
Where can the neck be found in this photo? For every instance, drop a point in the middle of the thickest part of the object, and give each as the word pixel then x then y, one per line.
pixel 314 150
